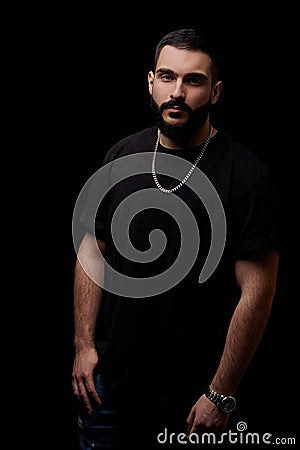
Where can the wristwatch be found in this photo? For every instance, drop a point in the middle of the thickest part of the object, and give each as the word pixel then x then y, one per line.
pixel 225 403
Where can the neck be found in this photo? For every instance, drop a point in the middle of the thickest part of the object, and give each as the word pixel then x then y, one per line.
pixel 192 140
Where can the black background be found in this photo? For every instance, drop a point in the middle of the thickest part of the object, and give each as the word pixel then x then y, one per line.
pixel 93 75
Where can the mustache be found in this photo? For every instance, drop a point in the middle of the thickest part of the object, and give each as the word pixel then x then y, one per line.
pixel 175 102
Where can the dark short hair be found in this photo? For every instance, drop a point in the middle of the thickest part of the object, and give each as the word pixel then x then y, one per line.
pixel 189 39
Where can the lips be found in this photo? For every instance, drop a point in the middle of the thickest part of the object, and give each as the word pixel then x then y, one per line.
pixel 175 109
pixel 175 112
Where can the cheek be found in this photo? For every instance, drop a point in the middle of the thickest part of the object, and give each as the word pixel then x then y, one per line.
pixel 161 95
pixel 198 100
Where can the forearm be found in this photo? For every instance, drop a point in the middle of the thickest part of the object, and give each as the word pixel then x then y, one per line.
pixel 87 302
pixel 257 280
pixel 89 272
pixel 88 278
pixel 244 335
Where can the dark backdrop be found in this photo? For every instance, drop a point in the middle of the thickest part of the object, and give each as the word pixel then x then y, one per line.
pixel 98 95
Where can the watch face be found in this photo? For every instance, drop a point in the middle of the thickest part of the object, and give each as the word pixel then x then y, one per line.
pixel 228 404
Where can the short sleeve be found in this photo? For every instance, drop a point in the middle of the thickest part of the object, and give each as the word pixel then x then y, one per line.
pixel 258 217
pixel 96 207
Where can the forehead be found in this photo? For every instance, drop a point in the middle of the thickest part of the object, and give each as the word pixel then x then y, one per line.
pixel 184 61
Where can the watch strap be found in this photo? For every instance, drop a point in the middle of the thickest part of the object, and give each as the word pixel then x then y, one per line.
pixel 225 403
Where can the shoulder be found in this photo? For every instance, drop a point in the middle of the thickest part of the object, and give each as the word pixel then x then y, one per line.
pixel 141 141
pixel 238 158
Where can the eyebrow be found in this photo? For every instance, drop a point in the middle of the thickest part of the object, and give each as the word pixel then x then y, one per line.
pixel 163 70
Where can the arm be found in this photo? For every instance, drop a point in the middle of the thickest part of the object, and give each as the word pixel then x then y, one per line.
pixel 257 281
pixel 87 302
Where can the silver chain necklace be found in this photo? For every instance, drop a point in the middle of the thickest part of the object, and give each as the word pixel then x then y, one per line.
pixel 189 173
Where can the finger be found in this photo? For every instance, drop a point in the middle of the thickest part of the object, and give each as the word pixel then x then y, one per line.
pixel 76 387
pixel 190 419
pixel 193 429
pixel 88 393
pixel 92 393
pixel 80 391
pixel 84 399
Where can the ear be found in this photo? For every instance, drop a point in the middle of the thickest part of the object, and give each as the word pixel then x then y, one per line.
pixel 216 90
pixel 150 81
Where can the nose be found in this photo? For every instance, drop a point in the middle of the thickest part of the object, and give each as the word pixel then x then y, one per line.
pixel 178 91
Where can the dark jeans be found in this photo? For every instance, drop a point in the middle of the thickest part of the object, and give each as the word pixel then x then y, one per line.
pixel 132 427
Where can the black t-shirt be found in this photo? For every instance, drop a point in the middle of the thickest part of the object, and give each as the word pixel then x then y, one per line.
pixel 176 335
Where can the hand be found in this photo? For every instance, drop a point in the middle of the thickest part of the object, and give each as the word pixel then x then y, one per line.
pixel 205 417
pixel 82 378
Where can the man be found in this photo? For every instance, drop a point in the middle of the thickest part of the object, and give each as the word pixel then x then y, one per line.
pixel 167 355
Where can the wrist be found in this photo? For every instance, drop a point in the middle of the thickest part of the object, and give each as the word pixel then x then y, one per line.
pixel 84 345
pixel 225 403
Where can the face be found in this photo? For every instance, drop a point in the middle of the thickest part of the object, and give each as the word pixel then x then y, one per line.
pixel 181 91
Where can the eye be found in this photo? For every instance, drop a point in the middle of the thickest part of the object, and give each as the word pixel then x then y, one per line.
pixel 167 77
pixel 194 81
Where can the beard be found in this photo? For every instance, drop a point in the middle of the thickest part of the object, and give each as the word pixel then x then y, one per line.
pixel 195 121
